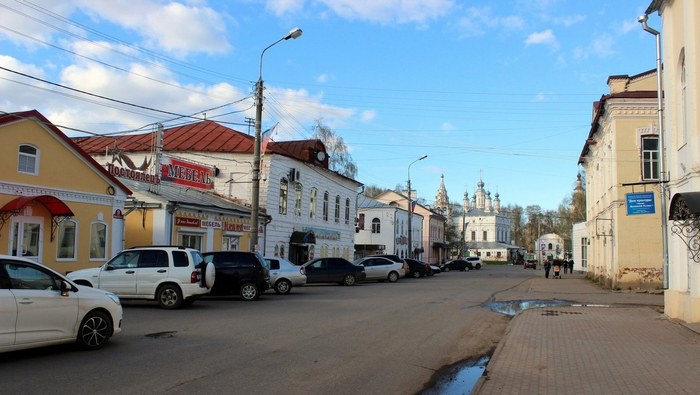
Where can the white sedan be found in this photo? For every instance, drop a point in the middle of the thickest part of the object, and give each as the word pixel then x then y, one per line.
pixel 284 275
pixel 40 307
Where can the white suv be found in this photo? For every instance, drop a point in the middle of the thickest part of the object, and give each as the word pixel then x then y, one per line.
pixel 476 262
pixel 171 275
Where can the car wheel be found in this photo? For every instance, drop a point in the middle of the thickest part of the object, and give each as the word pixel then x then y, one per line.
pixel 349 279
pixel 94 331
pixel 430 273
pixel 249 291
pixel 446 269
pixel 478 266
pixel 283 287
pixel 169 297
pixel 393 277
pixel 415 274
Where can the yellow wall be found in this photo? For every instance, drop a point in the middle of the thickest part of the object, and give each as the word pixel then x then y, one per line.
pixel 139 228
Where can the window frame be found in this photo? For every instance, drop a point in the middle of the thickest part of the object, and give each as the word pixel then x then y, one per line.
pixel 650 162
pixel 284 193
pixel 298 189
pixel 326 196
pixel 313 195
pixel 105 246
pixel 24 155
pixel 376 225
pixel 337 209
pixel 61 236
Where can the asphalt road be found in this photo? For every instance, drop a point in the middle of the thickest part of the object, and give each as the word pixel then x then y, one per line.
pixel 372 338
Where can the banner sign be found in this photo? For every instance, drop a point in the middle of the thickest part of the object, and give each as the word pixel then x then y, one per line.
pixel 323 233
pixel 191 222
pixel 640 203
pixel 185 173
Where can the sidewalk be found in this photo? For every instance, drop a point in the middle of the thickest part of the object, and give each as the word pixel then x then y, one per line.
pixel 623 349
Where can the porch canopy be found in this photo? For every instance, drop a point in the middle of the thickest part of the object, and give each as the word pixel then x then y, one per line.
pixel 53 204
pixel 307 237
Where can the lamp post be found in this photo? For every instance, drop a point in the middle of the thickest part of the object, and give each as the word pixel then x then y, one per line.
pixel 410 206
pixel 255 200
pixel 662 156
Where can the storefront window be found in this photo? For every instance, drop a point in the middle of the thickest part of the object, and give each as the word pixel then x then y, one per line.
pixel 98 240
pixel 190 240
pixel 66 239
pixel 230 243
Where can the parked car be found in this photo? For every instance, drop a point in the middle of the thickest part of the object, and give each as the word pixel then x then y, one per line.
pixel 40 307
pixel 434 269
pixel 397 259
pixel 418 268
pixel 239 273
pixel 284 275
pixel 475 262
pixel 530 264
pixel 333 270
pixel 378 268
pixel 455 264
pixel 171 275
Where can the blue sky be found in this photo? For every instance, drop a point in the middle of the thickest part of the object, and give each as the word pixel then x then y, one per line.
pixel 501 90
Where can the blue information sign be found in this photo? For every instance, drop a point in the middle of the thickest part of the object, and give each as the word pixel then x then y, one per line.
pixel 640 203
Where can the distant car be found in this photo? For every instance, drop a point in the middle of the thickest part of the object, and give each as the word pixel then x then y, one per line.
pixel 381 269
pixel 456 264
pixel 171 275
pixel 41 307
pixel 333 270
pixel 434 269
pixel 239 273
pixel 284 275
pixel 418 268
pixel 529 263
pixel 475 262
pixel 397 259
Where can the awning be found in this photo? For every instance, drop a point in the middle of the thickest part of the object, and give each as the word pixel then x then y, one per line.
pixel 440 245
pixel 52 203
pixel 307 237
pixel 685 205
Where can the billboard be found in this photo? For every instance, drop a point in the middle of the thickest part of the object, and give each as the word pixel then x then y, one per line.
pixel 180 172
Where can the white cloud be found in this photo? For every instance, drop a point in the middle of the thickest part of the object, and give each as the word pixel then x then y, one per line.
pixel 281 7
pixel 545 38
pixel 368 116
pixel 446 126
pixel 569 20
pixel 628 26
pixel 481 19
pixel 390 11
pixel 602 46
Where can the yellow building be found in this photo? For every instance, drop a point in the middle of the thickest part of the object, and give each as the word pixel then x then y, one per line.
pixel 680 33
pixel 621 160
pixel 57 205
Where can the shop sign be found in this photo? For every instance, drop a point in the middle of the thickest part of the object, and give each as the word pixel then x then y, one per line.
pixel 323 233
pixel 211 224
pixel 118 214
pixel 233 227
pixel 180 172
pixel 191 222
pixel 132 174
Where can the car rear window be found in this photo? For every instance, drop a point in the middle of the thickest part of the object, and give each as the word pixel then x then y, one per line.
pixel 180 259
pixel 274 264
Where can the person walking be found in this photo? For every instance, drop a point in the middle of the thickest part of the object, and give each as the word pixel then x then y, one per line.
pixel 547 266
pixel 571 266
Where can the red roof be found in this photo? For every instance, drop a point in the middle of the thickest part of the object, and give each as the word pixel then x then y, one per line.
pixel 205 136
pixel 37 117
pixel 52 203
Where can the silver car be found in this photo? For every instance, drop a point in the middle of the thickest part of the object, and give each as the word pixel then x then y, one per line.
pixel 284 275
pixel 381 269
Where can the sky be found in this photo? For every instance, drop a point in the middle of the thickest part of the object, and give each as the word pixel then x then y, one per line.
pixel 497 90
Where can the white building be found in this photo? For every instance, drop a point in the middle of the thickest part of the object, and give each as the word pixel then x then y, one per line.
pixel 382 228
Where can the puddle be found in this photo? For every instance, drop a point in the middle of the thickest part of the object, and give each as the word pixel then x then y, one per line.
pixel 459 378
pixel 513 307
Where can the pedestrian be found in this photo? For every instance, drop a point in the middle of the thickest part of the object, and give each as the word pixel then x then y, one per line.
pixel 571 266
pixel 547 266
pixel 565 264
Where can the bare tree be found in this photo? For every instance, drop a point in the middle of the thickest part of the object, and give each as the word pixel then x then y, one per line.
pixel 339 159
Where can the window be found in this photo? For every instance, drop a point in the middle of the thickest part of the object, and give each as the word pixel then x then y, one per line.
pixel 337 209
pixel 23 276
pixel 28 159
pixel 650 158
pixel 297 199
pixel 473 235
pixel 376 228
pixel 312 204
pixel 154 258
pixel 284 186
pixel 347 211
pixel 190 240
pixel 684 103
pixel 180 259
pixel 66 239
pixel 230 243
pixel 485 236
pixel 98 240
pixel 550 246
pixel 325 206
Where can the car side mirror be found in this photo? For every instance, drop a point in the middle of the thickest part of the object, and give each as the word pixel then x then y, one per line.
pixel 65 288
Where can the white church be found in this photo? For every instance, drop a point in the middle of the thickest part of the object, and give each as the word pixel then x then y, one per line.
pixel 485 230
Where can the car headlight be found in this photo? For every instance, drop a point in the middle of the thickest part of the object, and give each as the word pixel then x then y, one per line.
pixel 115 298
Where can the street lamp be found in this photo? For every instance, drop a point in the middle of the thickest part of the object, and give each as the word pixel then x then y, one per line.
pixel 410 206
pixel 255 200
pixel 662 157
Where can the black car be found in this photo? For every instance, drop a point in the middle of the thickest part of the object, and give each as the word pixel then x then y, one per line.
pixel 239 273
pixel 333 270
pixel 457 264
pixel 418 268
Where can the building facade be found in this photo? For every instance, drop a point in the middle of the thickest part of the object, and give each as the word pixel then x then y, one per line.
pixel 382 228
pixel 620 157
pixel 57 205
pixel 680 33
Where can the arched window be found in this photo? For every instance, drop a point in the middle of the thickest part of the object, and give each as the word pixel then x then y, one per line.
pixel 337 209
pixel 98 241
pixel 683 113
pixel 284 187
pixel 550 246
pixel 325 206
pixel 28 161
pixel 67 240
pixel 312 204
pixel 376 228
pixel 297 199
pixel 347 211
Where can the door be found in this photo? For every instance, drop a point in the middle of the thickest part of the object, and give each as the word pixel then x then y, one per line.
pixel 317 272
pixel 153 269
pixel 8 317
pixel 26 237
pixel 119 275
pixel 370 269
